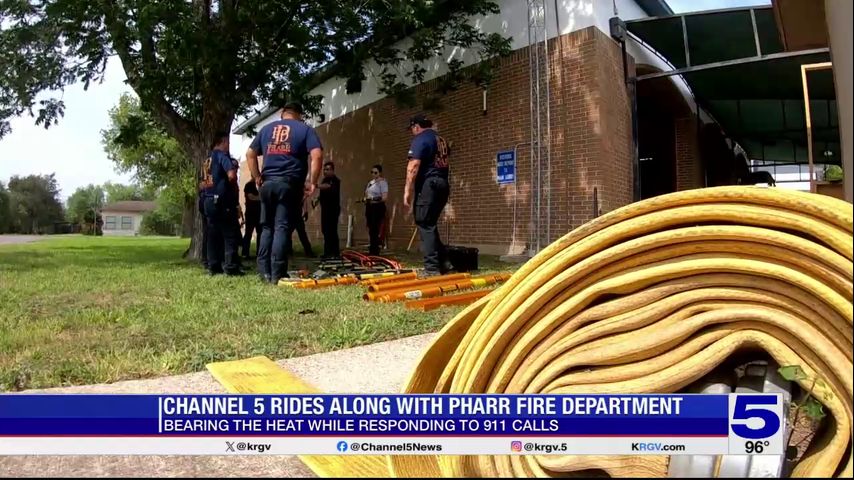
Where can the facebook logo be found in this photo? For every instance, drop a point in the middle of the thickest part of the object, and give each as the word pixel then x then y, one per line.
pixel 342 446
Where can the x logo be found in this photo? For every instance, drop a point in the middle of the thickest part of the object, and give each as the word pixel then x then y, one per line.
pixel 229 446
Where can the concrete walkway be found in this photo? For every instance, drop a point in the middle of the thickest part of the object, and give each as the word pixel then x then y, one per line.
pixel 378 368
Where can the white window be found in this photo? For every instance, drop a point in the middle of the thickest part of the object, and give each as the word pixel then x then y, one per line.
pixel 110 222
pixel 127 223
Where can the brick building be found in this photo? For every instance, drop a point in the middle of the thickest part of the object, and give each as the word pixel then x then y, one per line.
pixel 589 168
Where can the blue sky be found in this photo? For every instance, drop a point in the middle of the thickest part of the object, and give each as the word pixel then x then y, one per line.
pixel 72 149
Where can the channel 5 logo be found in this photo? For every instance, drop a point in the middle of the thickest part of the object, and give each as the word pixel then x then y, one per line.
pixel 516 446
pixel 755 416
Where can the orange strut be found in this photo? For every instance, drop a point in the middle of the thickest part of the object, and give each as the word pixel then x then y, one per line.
pixel 396 278
pixel 326 282
pixel 410 285
pixel 428 304
pixel 385 287
pixel 438 290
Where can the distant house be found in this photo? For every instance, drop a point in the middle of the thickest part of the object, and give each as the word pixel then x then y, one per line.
pixel 124 218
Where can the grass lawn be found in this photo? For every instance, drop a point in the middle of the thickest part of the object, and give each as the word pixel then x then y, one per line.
pixel 81 310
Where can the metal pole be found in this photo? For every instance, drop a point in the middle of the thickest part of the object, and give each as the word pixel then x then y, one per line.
pixel 631 83
pixel 548 129
pixel 516 184
pixel 539 142
pixel 808 118
pixel 533 141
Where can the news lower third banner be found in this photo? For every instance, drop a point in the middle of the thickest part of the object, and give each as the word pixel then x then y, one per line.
pixel 676 424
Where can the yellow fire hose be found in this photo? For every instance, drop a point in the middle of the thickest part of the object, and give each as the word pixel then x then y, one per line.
pixel 650 298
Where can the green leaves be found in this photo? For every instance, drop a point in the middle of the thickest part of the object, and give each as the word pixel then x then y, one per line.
pixel 792 373
pixel 809 406
pixel 83 202
pixel 137 144
pixel 813 409
pixel 195 65
pixel 34 204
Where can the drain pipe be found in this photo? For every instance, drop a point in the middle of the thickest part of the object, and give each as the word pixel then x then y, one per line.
pixel 548 128
pixel 532 131
pixel 619 33
pixel 350 231
pixel 516 185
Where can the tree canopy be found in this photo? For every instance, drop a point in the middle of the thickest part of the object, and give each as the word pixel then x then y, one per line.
pixel 83 203
pixel 197 64
pixel 34 203
pixel 5 210
pixel 137 144
pixel 117 192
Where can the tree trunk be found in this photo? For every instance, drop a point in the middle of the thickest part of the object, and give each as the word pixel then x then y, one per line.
pixel 194 252
pixel 187 217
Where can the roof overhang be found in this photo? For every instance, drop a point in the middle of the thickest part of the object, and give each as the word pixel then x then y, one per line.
pixel 741 71
pixel 653 8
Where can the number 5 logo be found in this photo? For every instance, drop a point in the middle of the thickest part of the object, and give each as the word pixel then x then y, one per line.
pixel 748 407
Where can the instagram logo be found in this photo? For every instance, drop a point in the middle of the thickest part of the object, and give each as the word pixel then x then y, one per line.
pixel 516 446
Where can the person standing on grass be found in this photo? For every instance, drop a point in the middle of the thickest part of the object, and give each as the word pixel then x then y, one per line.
pixel 252 217
pixel 330 210
pixel 285 182
pixel 301 233
pixel 221 209
pixel 376 194
pixel 205 188
pixel 427 182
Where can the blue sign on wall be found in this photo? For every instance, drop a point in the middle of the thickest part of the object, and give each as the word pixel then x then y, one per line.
pixel 506 167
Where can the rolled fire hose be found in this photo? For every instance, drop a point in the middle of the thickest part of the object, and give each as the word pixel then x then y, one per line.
pixel 650 298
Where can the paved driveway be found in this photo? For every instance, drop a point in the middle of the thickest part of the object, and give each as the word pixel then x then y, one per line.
pixel 13 239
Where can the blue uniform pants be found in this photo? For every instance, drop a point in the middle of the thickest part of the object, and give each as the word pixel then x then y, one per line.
pixel 280 209
pixel 429 203
pixel 222 236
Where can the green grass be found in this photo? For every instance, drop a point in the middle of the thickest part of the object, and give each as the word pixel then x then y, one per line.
pixel 81 310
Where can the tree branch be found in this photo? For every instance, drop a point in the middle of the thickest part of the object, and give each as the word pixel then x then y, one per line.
pixel 180 128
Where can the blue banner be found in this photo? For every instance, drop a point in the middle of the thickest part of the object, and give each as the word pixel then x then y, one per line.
pixel 366 415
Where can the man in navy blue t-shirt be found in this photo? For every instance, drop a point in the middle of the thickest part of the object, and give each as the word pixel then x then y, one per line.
pixel 427 180
pixel 220 206
pixel 286 145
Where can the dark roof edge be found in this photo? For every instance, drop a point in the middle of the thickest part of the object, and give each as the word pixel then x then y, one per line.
pixel 655 8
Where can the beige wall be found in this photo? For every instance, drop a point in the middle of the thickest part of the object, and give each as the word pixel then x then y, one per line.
pixel 839 13
pixel 118 231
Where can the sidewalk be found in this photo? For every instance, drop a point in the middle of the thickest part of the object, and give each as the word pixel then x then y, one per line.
pixel 377 368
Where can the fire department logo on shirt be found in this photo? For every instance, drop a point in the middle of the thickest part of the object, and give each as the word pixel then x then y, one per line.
pixel 207 176
pixel 443 152
pixel 279 144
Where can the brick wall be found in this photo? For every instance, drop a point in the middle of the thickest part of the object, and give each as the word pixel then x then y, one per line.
pixel 689 169
pixel 590 148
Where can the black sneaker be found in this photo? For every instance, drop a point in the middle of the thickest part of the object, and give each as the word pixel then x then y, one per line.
pixel 215 272
pixel 235 273
pixel 265 278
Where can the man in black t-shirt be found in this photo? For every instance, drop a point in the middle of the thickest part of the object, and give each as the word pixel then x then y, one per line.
pixel 330 210
pixel 252 217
